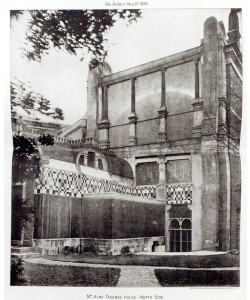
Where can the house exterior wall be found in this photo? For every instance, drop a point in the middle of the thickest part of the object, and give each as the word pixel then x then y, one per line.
pixel 111 222
pixel 172 120
pixel 97 217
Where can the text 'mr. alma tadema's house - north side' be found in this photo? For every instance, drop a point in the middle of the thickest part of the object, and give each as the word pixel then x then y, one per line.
pixel 155 165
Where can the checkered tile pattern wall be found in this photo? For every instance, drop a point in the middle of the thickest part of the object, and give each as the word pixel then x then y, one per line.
pixel 179 194
pixel 62 183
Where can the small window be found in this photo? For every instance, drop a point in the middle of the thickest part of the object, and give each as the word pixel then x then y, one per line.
pixel 186 224
pixel 147 173
pixel 174 224
pixel 91 159
pixel 81 160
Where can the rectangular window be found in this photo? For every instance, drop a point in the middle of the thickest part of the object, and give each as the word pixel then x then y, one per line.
pixel 179 171
pixel 147 173
pixel 91 159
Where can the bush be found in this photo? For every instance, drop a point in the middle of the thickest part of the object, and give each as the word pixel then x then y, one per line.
pixel 178 261
pixel 17 276
pixel 54 275
pixel 197 277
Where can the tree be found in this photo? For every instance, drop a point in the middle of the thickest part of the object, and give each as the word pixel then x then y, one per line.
pixel 58 113
pixel 26 157
pixel 29 101
pixel 71 30
pixel 44 104
pixel 17 276
pixel 21 94
pixel 26 167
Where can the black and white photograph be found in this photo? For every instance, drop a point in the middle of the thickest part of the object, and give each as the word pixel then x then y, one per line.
pixel 126 126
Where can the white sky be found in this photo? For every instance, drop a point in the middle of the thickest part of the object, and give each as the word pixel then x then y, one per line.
pixel 61 77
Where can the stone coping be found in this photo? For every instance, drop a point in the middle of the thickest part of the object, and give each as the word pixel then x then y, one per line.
pixel 153 66
pixel 118 196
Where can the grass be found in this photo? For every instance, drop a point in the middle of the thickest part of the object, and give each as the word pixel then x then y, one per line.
pixel 206 261
pixel 52 275
pixel 197 277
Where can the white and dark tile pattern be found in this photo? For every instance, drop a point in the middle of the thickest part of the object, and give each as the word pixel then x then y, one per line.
pixel 179 194
pixel 63 183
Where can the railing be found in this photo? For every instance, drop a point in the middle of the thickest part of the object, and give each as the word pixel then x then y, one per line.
pixel 57 139
pixel 64 140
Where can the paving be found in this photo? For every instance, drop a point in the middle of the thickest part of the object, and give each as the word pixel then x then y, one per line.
pixel 193 253
pixel 138 277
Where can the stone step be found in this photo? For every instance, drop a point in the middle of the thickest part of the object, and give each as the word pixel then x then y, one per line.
pixel 24 243
pixel 25 255
pixel 16 250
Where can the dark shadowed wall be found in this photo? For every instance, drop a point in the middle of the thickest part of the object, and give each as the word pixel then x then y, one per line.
pixel 67 217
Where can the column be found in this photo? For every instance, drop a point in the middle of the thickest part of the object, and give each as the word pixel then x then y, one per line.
pixel 162 169
pixel 132 117
pixel 105 103
pixel 96 161
pixel 162 135
pixel 161 188
pixel 197 117
pixel 167 208
pixel 103 126
pixel 197 103
pixel 197 78
pixel 212 74
pixel 163 87
pixel 196 206
pixel 85 159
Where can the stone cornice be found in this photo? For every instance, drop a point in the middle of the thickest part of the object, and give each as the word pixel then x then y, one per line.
pixel 153 66
pixel 197 104
pixel 120 197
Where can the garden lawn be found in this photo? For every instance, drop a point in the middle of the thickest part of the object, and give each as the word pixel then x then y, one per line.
pixel 54 275
pixel 191 261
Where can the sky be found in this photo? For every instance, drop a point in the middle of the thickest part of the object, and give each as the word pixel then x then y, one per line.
pixel 62 78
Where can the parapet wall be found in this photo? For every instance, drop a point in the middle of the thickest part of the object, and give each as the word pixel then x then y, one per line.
pixel 100 246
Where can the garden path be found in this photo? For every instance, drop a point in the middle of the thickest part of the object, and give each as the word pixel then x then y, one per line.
pixel 137 277
pixel 131 276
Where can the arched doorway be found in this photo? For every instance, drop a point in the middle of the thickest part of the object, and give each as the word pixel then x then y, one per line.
pixel 180 235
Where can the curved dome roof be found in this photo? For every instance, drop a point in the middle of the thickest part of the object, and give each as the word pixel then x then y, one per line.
pixel 115 165
pixel 119 166
pixel 147 107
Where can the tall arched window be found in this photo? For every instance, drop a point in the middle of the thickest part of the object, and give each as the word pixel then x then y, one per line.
pixel 180 235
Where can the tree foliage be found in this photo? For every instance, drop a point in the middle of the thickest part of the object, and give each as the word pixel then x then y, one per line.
pixel 59 113
pixel 21 94
pixel 26 166
pixel 71 30
pixel 26 157
pixel 17 276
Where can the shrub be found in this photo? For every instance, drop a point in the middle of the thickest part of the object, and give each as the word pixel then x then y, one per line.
pixel 53 275
pixel 191 277
pixel 17 276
